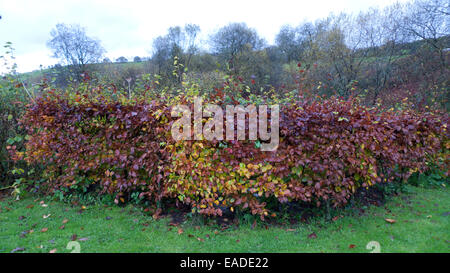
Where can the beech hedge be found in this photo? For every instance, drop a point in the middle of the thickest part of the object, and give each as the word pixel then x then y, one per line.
pixel 328 150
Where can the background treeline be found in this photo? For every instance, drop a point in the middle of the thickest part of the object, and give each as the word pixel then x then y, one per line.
pixel 385 54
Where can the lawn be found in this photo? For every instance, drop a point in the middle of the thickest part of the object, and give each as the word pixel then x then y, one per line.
pixel 421 225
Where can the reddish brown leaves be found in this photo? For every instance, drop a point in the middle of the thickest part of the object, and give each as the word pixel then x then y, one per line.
pixel 328 150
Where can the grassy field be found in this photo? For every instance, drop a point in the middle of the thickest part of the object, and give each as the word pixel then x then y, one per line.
pixel 421 225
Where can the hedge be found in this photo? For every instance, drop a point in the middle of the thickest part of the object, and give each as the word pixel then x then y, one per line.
pixel 328 150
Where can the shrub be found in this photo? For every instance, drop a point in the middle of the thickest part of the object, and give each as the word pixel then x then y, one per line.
pixel 328 150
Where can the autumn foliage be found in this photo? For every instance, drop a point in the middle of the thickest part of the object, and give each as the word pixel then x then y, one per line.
pixel 328 150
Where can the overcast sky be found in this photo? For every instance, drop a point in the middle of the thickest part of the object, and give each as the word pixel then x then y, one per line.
pixel 127 27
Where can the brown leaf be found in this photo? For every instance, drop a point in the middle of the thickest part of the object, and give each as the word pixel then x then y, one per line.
pixel 391 221
pixel 312 235
pixel 352 246
pixel 62 227
pixel 30 206
pixel 200 239
pixel 180 231
pixel 44 230
pixel 73 237
pixel 65 221
pixel 157 213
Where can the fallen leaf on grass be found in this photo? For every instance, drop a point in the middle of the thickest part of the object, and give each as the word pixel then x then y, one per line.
pixel 83 239
pixel 21 217
pixel 200 239
pixel 53 250
pixel 352 246
pixel 312 235
pixel 156 215
pixel 44 229
pixel 46 216
pixel 65 221
pixel 30 206
pixel 73 237
pixel 290 229
pixel 180 231
pixel 62 227
pixel 390 221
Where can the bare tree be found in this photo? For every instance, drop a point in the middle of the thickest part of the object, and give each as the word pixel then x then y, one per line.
pixel 234 39
pixel 429 20
pixel 179 43
pixel 73 47
pixel 288 41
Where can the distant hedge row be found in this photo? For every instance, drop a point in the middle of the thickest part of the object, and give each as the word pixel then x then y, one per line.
pixel 328 150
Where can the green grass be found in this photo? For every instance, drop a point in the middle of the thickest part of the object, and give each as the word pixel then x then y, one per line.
pixel 422 225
